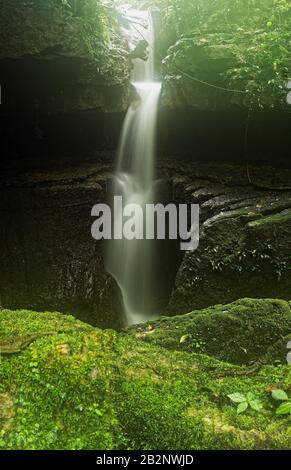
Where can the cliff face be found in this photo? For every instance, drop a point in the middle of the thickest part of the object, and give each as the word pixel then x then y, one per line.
pixel 64 75
pixel 64 72
pixel 244 234
pixel 49 260
pixel 56 58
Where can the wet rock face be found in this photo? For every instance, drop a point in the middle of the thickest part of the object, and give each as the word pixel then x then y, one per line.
pixel 244 235
pixel 49 259
pixel 60 61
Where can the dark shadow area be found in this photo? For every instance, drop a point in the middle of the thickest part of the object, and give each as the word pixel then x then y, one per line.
pixel 32 139
pixel 226 136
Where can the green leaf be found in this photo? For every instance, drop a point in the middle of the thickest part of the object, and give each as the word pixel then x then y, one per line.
pixel 242 407
pixel 284 408
pixel 237 397
pixel 279 395
pixel 250 396
pixel 256 405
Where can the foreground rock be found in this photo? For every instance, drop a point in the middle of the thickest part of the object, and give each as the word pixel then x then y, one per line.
pixel 248 331
pixel 71 386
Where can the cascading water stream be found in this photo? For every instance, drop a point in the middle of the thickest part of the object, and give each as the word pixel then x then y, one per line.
pixel 131 262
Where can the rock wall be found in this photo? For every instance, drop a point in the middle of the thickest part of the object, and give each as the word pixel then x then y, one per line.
pixel 54 59
pixel 49 260
pixel 245 235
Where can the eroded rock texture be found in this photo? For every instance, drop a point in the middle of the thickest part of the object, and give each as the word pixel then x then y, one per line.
pixel 49 259
pixel 245 238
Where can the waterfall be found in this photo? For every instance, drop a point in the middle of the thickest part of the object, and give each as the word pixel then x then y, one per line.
pixel 131 262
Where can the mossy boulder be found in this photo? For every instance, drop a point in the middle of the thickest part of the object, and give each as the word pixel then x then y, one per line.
pixel 173 400
pixel 59 386
pixel 76 387
pixel 242 332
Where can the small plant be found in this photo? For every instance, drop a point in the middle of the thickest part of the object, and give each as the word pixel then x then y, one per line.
pixel 184 338
pixel 245 401
pixel 285 407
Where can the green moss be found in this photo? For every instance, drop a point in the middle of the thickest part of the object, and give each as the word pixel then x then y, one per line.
pixel 25 322
pixel 93 389
pixel 171 400
pixel 238 45
pixel 241 332
pixel 280 218
pixel 60 386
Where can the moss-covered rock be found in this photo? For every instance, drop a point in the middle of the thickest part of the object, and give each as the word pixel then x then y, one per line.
pixel 204 59
pixel 59 388
pixel 83 388
pixel 173 400
pixel 66 57
pixel 241 333
pixel 212 48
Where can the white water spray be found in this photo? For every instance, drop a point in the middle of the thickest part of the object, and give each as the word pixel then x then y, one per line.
pixel 131 262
